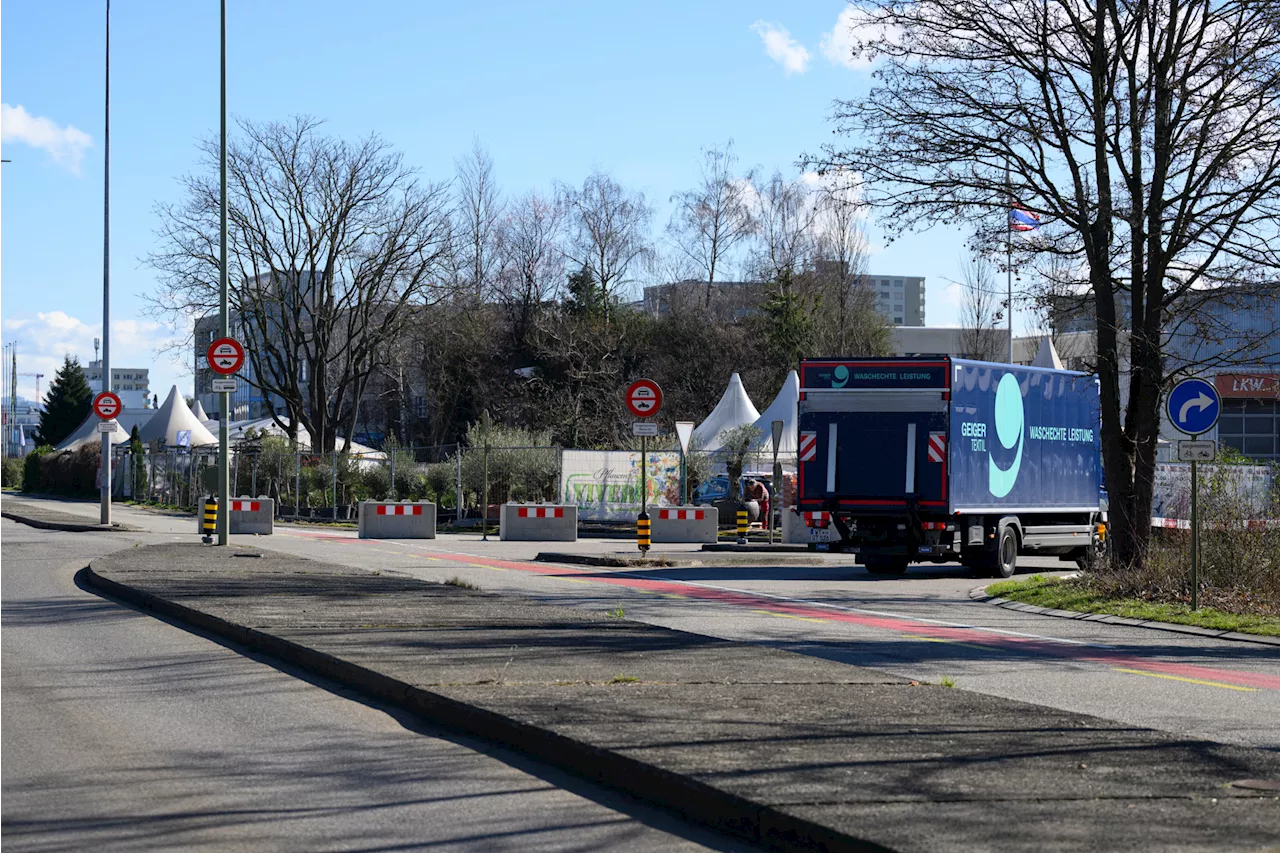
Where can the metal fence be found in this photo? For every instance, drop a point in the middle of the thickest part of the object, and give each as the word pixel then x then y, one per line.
pixel 331 485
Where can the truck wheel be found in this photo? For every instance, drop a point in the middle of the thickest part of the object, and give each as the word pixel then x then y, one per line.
pixel 1005 559
pixel 887 565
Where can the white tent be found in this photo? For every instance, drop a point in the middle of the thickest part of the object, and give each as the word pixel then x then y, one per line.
pixel 735 409
pixel 172 418
pixel 87 432
pixel 783 408
pixel 1047 356
pixel 237 429
pixel 198 411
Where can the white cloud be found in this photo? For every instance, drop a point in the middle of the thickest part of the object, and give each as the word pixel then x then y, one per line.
pixel 66 145
pixel 782 48
pixel 47 337
pixel 854 31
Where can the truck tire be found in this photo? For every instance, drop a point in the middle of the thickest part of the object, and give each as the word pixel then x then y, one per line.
pixel 1004 562
pixel 887 565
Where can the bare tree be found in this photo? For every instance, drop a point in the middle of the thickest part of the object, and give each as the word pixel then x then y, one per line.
pixel 980 311
pixel 608 232
pixel 478 220
pixel 715 216
pixel 331 246
pixel 847 320
pixel 785 211
pixel 532 260
pixel 1144 132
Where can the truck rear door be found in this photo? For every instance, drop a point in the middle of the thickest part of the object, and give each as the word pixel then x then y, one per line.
pixel 874 446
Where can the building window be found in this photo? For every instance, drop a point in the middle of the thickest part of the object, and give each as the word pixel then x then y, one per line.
pixel 1251 427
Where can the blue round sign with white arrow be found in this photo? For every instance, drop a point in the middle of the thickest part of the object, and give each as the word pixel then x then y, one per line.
pixel 1193 406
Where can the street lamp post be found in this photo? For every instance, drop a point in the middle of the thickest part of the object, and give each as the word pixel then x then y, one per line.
pixel 105 514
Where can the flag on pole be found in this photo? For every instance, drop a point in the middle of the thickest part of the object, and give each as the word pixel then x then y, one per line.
pixel 1023 220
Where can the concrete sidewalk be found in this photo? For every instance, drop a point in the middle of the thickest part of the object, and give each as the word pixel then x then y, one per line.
pixel 791 751
pixel 41 516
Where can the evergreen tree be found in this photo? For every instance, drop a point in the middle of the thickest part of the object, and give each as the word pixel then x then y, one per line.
pixel 585 298
pixel 66 405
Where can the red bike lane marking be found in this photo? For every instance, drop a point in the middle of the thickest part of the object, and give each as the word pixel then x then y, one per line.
pixel 1062 649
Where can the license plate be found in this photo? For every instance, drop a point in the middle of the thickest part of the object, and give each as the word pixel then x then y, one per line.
pixel 820 534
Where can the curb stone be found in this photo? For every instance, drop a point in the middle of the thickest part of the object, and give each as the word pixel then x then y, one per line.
pixel 695 801
pixel 979 593
pixel 65 526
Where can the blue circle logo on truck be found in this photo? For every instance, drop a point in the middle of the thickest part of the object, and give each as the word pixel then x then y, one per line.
pixel 1010 424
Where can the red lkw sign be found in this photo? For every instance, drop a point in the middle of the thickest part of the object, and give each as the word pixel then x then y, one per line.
pixel 1263 386
pixel 226 356
pixel 644 398
pixel 107 405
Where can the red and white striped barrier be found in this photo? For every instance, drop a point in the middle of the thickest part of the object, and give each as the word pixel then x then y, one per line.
pixel 538 522
pixel 670 525
pixel 398 509
pixel 540 512
pixel 392 520
pixel 246 506
pixel 1185 524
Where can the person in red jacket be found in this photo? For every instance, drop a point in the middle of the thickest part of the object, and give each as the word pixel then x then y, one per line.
pixel 756 491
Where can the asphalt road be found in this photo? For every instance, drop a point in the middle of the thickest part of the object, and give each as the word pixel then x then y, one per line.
pixel 123 732
pixel 923 626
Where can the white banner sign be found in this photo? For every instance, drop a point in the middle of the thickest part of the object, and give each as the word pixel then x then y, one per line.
pixel 605 484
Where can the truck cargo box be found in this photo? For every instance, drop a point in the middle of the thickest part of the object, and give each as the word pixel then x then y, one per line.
pixel 947 435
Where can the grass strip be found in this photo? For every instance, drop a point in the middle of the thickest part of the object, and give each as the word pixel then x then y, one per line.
pixel 1078 596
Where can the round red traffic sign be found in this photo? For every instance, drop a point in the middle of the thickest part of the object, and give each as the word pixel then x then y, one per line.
pixel 107 405
pixel 226 356
pixel 644 398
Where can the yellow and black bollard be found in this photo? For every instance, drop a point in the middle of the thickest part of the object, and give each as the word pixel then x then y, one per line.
pixel 210 522
pixel 642 532
pixel 743 524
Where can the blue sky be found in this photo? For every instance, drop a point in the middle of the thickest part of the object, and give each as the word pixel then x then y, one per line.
pixel 552 89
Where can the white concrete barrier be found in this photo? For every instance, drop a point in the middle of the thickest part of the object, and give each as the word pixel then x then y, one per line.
pixel 794 531
pixel 538 523
pixel 394 520
pixel 248 515
pixel 670 524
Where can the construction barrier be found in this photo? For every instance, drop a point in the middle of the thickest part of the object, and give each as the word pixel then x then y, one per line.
pixel 393 520
pixel 250 516
pixel 538 523
pixel 685 524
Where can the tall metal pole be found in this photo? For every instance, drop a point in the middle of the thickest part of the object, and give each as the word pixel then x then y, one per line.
pixel 1008 243
pixel 105 514
pixel 1195 537
pixel 224 325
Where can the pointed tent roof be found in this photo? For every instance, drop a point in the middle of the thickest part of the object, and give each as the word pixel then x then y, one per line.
pixel 783 408
pixel 1047 356
pixel 87 433
pixel 735 409
pixel 88 429
pixel 198 411
pixel 172 417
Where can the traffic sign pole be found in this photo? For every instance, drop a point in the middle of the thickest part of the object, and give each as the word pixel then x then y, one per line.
pixel 1193 408
pixel 224 323
pixel 105 509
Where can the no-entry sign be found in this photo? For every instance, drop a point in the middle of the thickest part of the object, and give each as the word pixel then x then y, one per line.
pixel 644 398
pixel 226 356
pixel 107 405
